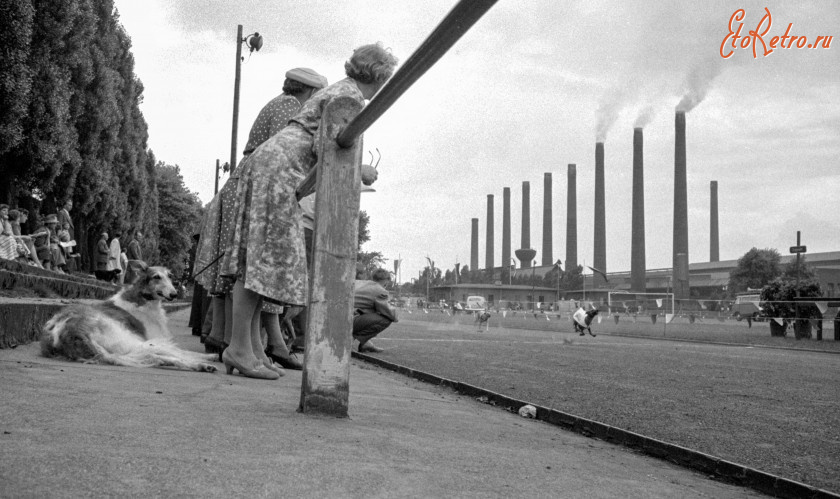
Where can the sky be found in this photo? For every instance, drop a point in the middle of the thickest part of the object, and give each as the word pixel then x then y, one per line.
pixel 529 90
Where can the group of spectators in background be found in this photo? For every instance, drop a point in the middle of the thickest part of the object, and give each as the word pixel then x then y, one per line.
pixel 52 246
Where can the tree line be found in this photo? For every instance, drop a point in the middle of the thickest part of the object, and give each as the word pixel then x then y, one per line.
pixel 555 278
pixel 71 128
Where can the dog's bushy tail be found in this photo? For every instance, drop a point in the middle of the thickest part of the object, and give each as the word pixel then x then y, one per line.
pixel 66 335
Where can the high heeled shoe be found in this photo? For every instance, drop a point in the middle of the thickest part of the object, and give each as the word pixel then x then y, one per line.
pixel 268 364
pixel 290 362
pixel 260 372
pixel 212 345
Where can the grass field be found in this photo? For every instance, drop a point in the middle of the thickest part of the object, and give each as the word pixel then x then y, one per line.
pixel 774 409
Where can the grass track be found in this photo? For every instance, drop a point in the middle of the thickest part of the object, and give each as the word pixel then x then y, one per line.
pixel 776 410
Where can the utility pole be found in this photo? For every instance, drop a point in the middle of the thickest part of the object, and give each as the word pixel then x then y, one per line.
pixel 235 127
pixel 216 189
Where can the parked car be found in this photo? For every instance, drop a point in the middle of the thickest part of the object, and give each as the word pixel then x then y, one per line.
pixel 747 305
pixel 475 304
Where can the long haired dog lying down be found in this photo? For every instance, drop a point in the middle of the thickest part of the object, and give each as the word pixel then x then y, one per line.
pixel 128 329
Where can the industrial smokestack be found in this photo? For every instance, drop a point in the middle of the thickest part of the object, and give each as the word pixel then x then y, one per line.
pixel 524 253
pixel 571 220
pixel 680 245
pixel 526 220
pixel 488 256
pixel 474 245
pixel 547 250
pixel 714 236
pixel 637 245
pixel 600 248
pixel 506 228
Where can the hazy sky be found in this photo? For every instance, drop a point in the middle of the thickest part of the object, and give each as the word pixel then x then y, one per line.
pixel 525 92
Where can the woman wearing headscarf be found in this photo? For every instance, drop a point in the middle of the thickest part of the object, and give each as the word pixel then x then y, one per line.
pixel 267 253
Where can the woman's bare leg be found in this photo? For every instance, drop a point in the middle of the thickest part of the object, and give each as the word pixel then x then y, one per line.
pixel 245 308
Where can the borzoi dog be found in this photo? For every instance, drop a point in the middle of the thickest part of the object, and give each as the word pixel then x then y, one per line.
pixel 128 329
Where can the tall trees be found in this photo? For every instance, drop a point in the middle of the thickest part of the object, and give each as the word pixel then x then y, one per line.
pixel 755 269
pixel 15 74
pixel 70 121
pixel 59 33
pixel 179 215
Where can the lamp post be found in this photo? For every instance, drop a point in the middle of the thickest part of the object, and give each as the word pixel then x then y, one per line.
pixel 255 42
pixel 558 268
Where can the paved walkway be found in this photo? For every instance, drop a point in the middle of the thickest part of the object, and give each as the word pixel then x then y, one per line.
pixel 75 430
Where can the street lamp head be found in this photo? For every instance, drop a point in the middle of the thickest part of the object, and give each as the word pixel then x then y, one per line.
pixel 254 41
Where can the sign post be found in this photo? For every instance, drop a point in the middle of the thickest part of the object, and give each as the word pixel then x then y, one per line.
pixel 797 250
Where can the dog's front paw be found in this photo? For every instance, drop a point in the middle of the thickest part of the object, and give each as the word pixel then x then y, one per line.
pixel 208 368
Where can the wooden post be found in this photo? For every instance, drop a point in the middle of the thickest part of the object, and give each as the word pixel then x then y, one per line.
pixel 326 365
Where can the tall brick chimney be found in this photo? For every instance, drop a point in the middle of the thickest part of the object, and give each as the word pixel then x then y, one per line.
pixel 714 236
pixel 488 255
pixel 680 246
pixel 600 246
pixel 474 245
pixel 547 250
pixel 506 228
pixel 637 245
pixel 571 220
pixel 523 252
pixel 526 220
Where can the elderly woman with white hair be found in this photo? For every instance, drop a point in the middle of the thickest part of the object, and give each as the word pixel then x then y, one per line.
pixel 267 253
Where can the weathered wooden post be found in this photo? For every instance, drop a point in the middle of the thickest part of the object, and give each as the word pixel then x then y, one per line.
pixel 326 366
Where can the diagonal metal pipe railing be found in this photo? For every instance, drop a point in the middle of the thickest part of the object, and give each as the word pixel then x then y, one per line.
pixel 460 19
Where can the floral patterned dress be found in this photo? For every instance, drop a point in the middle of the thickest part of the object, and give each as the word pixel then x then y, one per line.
pixel 217 227
pixel 267 250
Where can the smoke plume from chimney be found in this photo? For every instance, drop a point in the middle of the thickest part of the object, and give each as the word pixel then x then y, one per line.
pixel 697 83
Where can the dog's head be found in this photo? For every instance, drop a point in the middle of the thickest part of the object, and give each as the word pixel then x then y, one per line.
pixel 155 283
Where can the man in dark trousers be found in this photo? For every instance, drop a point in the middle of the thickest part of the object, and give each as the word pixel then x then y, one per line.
pixel 372 313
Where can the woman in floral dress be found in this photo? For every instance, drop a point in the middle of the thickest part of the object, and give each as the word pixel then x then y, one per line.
pixel 267 254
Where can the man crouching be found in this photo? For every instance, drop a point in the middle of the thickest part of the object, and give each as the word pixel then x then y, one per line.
pixel 372 312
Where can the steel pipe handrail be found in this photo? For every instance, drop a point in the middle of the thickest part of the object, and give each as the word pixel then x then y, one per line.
pixel 454 25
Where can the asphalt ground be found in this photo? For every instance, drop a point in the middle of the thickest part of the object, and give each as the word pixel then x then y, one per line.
pixel 76 430
pixel 776 410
